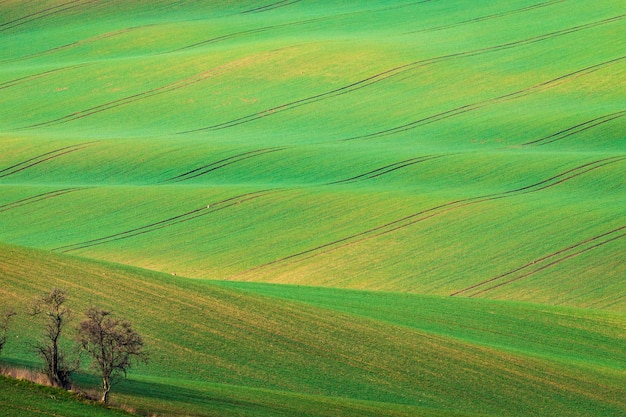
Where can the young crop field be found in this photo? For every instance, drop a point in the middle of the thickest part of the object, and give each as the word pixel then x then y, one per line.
pixel 326 208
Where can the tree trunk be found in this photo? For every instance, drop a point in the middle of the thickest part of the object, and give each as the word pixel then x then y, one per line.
pixel 106 388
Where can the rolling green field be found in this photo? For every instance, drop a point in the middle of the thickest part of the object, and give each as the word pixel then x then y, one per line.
pixel 326 208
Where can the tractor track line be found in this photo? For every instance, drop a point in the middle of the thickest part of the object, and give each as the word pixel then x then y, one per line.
pixel 72 45
pixel 435 211
pixel 39 12
pixel 43 158
pixel 446 208
pixel 37 157
pixel 534 262
pixel 393 72
pixel 181 218
pixel 37 198
pixel 43 13
pixel 212 164
pixel 581 127
pixel 221 164
pixel 489 17
pixel 543 86
pixel 387 169
pixel 21 80
pixel 245 32
pixel 543 267
pixel 271 6
pixel 176 85
pixel 268 28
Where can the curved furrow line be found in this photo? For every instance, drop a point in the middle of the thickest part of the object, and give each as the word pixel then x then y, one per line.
pixel 212 164
pixel 37 198
pixel 271 6
pixel 176 85
pixel 543 86
pixel 539 260
pixel 37 157
pixel 565 176
pixel 433 212
pixel 544 267
pixel 71 45
pixel 489 17
pixel 393 72
pixel 445 208
pixel 42 158
pixel 37 13
pixel 244 33
pixel 21 80
pixel 43 13
pixel 386 169
pixel 282 25
pixel 221 164
pixel 581 127
pixel 181 218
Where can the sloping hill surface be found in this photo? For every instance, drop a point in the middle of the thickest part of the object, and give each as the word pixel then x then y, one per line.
pixel 25 399
pixel 226 351
pixel 429 147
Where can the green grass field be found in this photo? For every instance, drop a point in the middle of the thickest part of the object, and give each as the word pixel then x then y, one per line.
pixel 326 208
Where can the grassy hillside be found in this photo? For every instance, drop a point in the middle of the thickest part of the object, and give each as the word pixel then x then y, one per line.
pixel 25 399
pixel 440 183
pixel 226 351
pixel 460 145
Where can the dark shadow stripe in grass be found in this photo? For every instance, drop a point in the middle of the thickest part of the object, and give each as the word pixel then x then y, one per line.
pixel 555 82
pixel 29 163
pixel 436 211
pixel 386 169
pixel 581 127
pixel 489 17
pixel 393 72
pixel 205 169
pixel 181 218
pixel 539 264
pixel 37 198
pixel 43 13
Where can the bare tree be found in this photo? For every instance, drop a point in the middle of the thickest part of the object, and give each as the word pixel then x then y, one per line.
pixel 56 315
pixel 5 319
pixel 112 344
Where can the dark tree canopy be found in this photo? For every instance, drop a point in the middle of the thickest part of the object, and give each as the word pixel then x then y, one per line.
pixel 112 344
pixel 56 315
